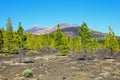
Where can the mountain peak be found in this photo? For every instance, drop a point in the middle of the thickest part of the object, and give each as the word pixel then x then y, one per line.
pixel 34 29
pixel 36 26
pixel 37 30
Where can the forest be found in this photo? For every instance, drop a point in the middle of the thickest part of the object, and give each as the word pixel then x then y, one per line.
pixel 13 41
pixel 81 57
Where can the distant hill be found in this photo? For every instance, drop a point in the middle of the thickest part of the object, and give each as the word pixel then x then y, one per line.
pixel 69 30
pixel 34 29
pixel 73 31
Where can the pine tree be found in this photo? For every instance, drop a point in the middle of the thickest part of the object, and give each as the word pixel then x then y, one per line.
pixel 5 42
pixel 85 36
pixel 15 44
pixel 34 42
pixel 10 47
pixel 29 41
pixel 20 29
pixel 64 47
pixel 52 41
pixel 38 40
pixel 58 37
pixel 9 28
pixel 75 44
pixel 1 38
pixel 61 42
pixel 111 43
pixel 119 43
pixel 20 32
pixel 93 46
pixel 78 44
pixel 8 36
pixel 46 38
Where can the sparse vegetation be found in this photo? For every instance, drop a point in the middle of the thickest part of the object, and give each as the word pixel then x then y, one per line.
pixel 111 43
pixel 84 44
pixel 61 42
pixel 13 41
pixel 85 36
pixel 27 73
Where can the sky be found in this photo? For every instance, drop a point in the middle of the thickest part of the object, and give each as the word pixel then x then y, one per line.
pixel 98 14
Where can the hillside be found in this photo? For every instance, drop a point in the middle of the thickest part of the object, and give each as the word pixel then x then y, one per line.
pixel 73 31
pixel 69 30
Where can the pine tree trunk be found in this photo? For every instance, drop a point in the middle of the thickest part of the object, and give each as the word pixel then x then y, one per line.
pixel 111 53
pixel 85 55
pixel 20 57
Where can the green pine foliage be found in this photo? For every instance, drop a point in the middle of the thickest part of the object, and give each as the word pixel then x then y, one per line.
pixel 30 41
pixel 111 43
pixel 20 30
pixel 119 43
pixel 51 40
pixel 1 39
pixel 93 46
pixel 15 45
pixel 13 41
pixel 5 43
pixel 64 47
pixel 20 36
pixel 75 44
pixel 61 42
pixel 34 42
pixel 9 28
pixel 72 43
pixel 58 37
pixel 78 44
pixel 52 43
pixel 38 40
pixel 46 38
pixel 85 36
pixel 8 37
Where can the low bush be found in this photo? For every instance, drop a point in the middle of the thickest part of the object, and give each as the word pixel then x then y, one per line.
pixel 27 73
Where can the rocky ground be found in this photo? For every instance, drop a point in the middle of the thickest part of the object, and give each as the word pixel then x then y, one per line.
pixel 49 66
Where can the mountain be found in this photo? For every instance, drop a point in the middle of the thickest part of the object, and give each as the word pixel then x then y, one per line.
pixel 54 28
pixel 37 30
pixel 73 31
pixel 69 30
pixel 34 29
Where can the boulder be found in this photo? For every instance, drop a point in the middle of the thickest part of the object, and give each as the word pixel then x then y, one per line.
pixel 28 60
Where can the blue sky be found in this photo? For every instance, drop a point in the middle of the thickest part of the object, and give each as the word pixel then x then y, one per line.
pixel 98 14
